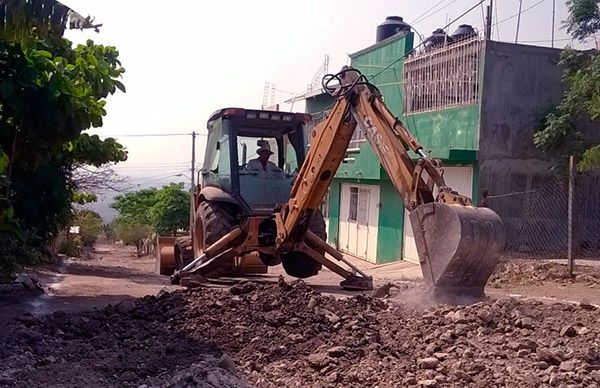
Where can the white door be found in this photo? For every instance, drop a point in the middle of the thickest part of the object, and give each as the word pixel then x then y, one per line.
pixel 459 179
pixel 358 220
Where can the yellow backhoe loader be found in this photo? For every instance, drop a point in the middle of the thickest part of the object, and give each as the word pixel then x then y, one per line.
pixel 241 209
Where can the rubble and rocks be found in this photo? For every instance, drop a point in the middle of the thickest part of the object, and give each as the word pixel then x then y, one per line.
pixel 22 283
pixel 524 272
pixel 287 334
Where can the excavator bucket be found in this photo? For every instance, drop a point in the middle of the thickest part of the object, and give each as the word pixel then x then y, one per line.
pixel 458 246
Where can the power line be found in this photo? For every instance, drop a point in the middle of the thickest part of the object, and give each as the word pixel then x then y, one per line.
pixel 155 134
pixel 418 18
pixel 436 11
pixel 547 40
pixel 422 43
pixel 520 13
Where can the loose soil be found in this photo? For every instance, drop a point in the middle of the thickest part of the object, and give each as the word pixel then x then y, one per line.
pixel 287 334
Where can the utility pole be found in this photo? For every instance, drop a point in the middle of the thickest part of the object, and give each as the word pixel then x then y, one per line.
pixel 553 19
pixel 193 179
pixel 570 247
pixel 488 21
pixel 518 21
pixel 193 160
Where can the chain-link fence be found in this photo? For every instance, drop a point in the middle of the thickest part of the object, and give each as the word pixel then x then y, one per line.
pixel 537 221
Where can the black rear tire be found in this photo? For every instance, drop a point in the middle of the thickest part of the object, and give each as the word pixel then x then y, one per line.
pixel 184 252
pixel 217 220
pixel 299 264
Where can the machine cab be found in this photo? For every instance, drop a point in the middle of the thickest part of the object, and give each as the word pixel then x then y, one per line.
pixel 236 137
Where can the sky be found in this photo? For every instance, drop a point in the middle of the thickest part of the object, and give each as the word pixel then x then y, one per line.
pixel 185 59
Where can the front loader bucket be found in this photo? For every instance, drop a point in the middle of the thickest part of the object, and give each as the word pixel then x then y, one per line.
pixel 458 246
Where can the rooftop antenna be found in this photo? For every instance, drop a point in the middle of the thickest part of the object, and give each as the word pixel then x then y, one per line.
pixel 553 19
pixel 518 21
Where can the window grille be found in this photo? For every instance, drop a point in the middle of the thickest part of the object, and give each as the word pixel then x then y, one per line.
pixel 443 77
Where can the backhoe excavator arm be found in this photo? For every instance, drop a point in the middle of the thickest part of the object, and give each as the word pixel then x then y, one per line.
pixel 359 104
pixel 458 244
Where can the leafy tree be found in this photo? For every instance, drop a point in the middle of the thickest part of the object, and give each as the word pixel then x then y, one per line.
pixel 581 100
pixel 171 211
pixel 584 18
pixel 132 233
pixel 166 209
pixel 135 207
pixel 50 92
pixel 90 226
pixel 47 18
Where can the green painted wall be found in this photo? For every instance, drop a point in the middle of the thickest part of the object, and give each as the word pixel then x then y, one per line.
pixel 364 166
pixel 374 59
pixel 370 61
pixel 391 216
pixel 319 103
pixel 446 129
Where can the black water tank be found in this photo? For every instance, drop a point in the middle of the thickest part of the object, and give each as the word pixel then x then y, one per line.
pixel 437 39
pixel 393 25
pixel 463 31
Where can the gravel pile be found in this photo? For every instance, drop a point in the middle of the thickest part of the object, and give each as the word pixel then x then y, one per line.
pixel 287 334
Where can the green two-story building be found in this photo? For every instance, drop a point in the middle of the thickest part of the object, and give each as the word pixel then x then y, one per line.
pixel 457 99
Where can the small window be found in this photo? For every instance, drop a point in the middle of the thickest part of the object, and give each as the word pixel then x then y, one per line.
pixel 359 205
pixel 363 206
pixel 352 214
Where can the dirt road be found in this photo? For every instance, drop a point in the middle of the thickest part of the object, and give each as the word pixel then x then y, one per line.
pixel 113 274
pixel 286 333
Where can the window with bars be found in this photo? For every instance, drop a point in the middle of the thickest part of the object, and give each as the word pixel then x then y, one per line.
pixel 443 77
pixel 359 205
pixel 357 138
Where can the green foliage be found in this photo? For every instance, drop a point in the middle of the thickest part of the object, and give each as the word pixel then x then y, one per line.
pixel 166 210
pixel 91 150
pixel 14 255
pixel 580 103
pixel 590 160
pixel 81 198
pixel 135 207
pixel 48 18
pixel 69 245
pixel 584 18
pixel 49 93
pixel 132 233
pixel 171 210
pixel 90 226
pixel 109 232
pixel 42 202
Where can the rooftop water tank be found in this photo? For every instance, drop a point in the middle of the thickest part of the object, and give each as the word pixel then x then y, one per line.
pixel 393 25
pixel 437 39
pixel 464 31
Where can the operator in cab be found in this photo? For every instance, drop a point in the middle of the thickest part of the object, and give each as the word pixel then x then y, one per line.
pixel 262 165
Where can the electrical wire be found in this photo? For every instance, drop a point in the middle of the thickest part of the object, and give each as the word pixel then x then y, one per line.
pixel 437 11
pixel 155 134
pixel 519 13
pixel 418 18
pixel 422 43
